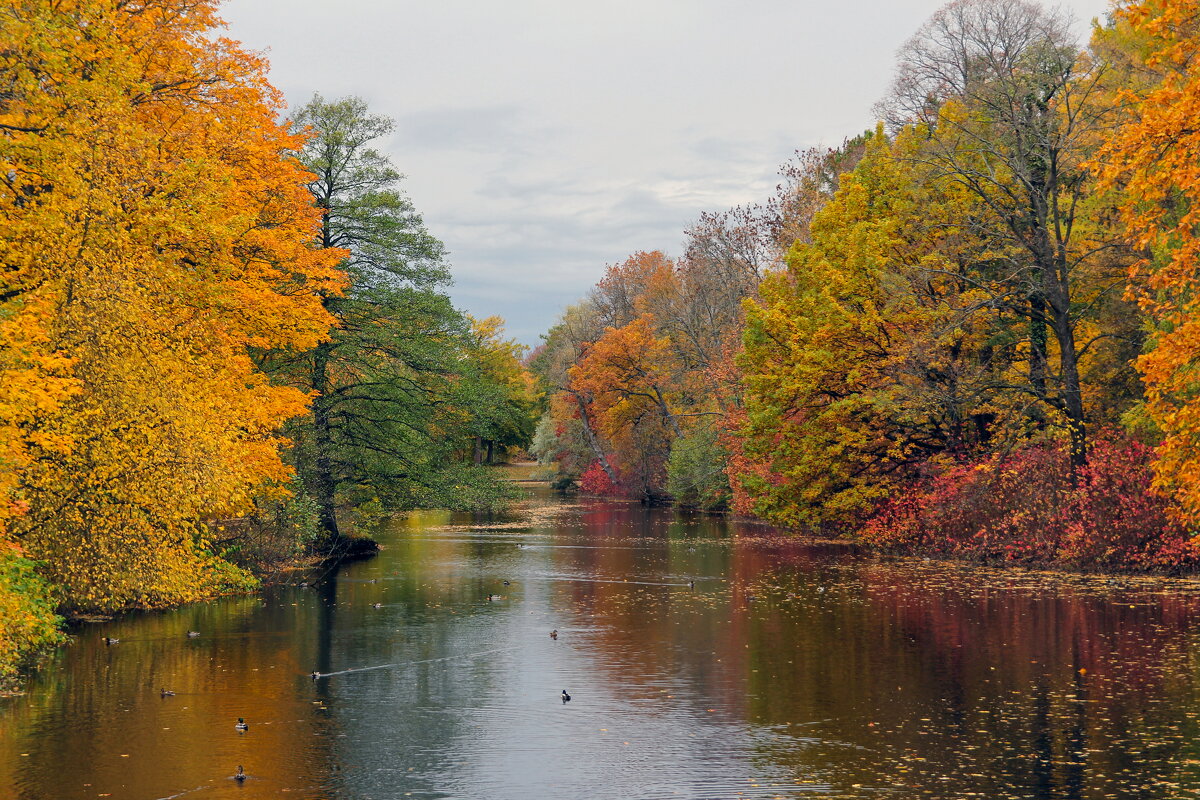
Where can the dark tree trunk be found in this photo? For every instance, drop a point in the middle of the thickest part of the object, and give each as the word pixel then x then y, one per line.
pixel 1037 344
pixel 324 480
pixel 1072 391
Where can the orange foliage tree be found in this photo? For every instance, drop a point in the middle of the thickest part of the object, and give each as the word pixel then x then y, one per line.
pixel 627 374
pixel 1154 157
pixel 157 229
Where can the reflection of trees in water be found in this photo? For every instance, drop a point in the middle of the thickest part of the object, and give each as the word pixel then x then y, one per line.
pixel 97 703
pixel 1022 688
pixel 399 725
pixel 824 665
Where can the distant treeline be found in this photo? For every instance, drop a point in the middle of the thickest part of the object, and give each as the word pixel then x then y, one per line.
pixel 971 331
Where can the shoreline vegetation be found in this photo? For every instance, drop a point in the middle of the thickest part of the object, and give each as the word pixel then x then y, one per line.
pixel 968 332
pixel 226 343
pixel 218 326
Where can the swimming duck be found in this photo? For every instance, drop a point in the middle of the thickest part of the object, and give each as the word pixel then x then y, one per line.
pixel 240 775
pixel 566 698
pixel 165 693
pixel 314 675
pixel 193 634
pixel 506 583
pixel 109 640
pixel 376 605
pixel 691 584
pixel 554 633
pixel 242 725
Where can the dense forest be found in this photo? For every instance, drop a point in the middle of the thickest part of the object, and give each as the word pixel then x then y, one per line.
pixel 969 331
pixel 225 334
pixel 217 329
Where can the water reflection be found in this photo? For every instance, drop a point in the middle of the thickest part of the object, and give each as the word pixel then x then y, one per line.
pixel 786 671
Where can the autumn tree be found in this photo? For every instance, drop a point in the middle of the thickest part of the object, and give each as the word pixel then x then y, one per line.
pixel 566 432
pixel 1013 109
pixel 627 372
pixel 157 229
pixel 1153 158
pixel 379 380
pixel 873 352
pixel 495 391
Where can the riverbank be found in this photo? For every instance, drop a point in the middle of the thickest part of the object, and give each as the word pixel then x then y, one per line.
pixel 257 552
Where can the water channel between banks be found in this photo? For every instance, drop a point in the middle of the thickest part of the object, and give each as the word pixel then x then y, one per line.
pixel 789 671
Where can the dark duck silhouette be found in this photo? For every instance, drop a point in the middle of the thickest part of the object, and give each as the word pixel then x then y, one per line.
pixel 566 698
pixel 109 640
pixel 242 725
pixel 314 675
pixel 240 775
pixel 554 633
pixel 165 693
pixel 193 634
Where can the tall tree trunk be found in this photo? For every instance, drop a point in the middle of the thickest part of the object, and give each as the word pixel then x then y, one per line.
pixel 1037 343
pixel 324 481
pixel 1072 390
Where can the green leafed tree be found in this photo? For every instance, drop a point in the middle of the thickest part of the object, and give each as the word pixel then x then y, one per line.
pixel 380 428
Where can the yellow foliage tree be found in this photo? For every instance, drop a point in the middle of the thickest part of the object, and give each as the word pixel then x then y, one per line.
pixel 870 355
pixel 157 229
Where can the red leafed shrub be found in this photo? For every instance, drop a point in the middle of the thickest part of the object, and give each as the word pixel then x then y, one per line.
pixel 1023 508
pixel 594 480
pixel 1114 517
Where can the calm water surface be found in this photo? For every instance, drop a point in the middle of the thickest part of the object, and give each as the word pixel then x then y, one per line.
pixel 788 671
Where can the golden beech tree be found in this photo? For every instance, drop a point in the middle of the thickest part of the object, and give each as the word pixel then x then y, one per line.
pixel 1154 157
pixel 157 230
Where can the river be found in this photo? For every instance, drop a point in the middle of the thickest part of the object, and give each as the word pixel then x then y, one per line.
pixel 704 658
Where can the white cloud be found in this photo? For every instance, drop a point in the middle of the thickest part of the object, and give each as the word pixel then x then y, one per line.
pixel 543 139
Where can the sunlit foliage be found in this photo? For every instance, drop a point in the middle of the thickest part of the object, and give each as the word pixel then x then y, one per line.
pixel 156 229
pixel 1155 160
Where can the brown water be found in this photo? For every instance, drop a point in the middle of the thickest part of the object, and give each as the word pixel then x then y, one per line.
pixel 788 671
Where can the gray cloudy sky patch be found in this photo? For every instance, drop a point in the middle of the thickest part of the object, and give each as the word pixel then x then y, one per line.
pixel 543 139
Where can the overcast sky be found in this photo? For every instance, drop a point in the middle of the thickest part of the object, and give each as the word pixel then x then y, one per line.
pixel 543 139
